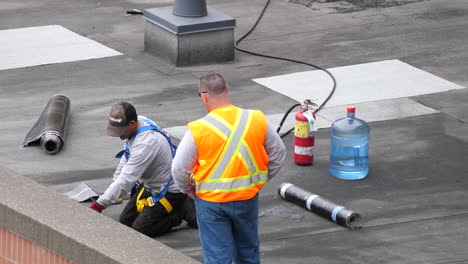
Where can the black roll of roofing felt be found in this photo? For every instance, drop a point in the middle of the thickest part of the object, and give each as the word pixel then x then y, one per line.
pixel 320 206
pixel 50 128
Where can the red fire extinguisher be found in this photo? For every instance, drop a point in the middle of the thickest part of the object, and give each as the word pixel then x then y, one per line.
pixel 304 134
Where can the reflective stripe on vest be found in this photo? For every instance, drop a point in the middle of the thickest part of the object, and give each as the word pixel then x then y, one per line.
pixel 235 146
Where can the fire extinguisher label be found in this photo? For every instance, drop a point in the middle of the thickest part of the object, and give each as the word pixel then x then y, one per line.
pixel 301 129
pixel 309 151
pixel 312 122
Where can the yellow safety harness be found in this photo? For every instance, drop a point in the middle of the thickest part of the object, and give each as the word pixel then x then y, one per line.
pixel 149 201
pixel 156 196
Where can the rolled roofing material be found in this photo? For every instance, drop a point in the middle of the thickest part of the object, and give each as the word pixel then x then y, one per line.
pixel 51 126
pixel 320 206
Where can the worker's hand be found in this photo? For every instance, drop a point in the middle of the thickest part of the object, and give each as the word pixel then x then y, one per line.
pixel 191 195
pixel 97 207
pixel 193 183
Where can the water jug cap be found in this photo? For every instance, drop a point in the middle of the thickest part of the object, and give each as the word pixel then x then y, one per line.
pixel 351 109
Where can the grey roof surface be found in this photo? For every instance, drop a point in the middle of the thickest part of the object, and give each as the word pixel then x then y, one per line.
pixel 413 203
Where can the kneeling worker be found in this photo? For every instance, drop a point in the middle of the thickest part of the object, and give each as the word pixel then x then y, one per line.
pixel 156 205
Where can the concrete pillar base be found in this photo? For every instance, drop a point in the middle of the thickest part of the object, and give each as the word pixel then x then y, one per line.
pixel 187 41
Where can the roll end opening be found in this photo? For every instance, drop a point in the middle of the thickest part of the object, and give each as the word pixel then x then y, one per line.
pixel 354 221
pixel 51 144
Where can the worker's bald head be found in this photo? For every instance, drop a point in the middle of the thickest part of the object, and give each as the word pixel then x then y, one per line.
pixel 214 84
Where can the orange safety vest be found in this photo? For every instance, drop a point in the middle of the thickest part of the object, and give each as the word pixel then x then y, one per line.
pixel 232 162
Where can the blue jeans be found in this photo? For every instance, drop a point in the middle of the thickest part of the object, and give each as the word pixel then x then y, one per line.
pixel 229 231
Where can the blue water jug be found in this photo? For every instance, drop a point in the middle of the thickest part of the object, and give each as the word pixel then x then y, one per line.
pixel 349 147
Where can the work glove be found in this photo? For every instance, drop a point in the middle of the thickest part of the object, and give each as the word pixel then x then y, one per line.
pixel 97 207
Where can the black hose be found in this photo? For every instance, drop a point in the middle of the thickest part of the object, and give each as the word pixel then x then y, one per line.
pixel 284 59
pixel 285 116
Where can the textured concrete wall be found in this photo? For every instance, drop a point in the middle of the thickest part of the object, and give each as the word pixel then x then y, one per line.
pixel 161 43
pixel 71 230
pixel 189 49
pixel 206 47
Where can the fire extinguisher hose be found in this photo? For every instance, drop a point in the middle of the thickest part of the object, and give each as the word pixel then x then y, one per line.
pixel 285 116
pixel 319 205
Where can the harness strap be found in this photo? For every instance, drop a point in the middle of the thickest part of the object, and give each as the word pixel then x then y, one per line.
pixel 157 196
pixel 125 152
pixel 166 204
pixel 150 201
pixel 160 130
pixel 152 126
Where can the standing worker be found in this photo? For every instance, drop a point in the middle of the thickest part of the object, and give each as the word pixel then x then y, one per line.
pixel 229 155
pixel 157 204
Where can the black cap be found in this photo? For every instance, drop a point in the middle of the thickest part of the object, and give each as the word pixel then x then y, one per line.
pixel 121 114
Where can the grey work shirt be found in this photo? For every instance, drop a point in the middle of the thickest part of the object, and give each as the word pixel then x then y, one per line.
pixel 150 160
pixel 187 155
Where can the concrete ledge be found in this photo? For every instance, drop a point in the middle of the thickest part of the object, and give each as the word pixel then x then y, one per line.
pixel 73 231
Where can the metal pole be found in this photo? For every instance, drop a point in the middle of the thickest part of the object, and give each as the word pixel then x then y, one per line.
pixel 189 8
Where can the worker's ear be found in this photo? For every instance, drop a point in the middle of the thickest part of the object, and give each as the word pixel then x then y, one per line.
pixel 204 98
pixel 206 103
pixel 133 123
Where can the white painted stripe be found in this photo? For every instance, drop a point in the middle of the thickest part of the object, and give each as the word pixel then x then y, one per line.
pixel 359 83
pixel 25 47
pixel 369 111
pixel 379 110
pixel 379 91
